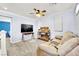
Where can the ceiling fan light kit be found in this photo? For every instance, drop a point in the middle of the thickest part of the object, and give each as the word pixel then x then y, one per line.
pixel 38 15
pixel 38 12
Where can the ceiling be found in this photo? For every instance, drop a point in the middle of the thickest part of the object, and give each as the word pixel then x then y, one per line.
pixel 25 8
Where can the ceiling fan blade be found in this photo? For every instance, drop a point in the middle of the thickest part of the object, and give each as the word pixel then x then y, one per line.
pixel 34 9
pixel 37 11
pixel 44 11
pixel 31 13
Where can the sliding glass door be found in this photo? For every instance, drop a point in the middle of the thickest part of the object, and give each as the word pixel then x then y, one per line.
pixel 5 24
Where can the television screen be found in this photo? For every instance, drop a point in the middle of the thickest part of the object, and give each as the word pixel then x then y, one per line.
pixel 26 28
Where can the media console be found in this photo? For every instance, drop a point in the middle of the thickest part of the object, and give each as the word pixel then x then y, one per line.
pixel 27 33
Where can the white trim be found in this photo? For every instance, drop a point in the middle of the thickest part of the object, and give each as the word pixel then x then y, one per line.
pixel 3 43
pixel 5 18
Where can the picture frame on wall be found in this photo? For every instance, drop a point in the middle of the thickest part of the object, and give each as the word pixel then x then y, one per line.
pixel 58 23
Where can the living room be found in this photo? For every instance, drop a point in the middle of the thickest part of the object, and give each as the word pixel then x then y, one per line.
pixel 54 18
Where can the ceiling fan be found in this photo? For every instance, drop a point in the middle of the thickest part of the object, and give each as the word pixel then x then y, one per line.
pixel 38 12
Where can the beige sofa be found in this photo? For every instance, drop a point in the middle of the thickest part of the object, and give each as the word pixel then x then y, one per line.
pixel 69 46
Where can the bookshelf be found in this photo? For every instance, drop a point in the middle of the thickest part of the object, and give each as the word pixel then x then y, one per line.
pixel 44 33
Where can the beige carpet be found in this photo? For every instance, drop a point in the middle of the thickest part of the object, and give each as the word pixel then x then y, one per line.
pixel 22 49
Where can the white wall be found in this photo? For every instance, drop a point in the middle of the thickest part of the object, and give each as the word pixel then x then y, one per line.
pixel 68 18
pixel 16 21
pixel 69 21
pixel 77 23
pixel 16 28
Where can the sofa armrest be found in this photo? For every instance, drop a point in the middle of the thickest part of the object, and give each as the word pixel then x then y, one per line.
pixel 49 49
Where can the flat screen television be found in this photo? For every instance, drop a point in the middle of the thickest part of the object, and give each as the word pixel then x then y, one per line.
pixel 26 28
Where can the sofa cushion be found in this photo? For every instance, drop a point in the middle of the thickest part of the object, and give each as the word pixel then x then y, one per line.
pixel 74 52
pixel 67 36
pixel 68 46
pixel 58 37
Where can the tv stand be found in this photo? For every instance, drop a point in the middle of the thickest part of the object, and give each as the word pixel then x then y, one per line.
pixel 27 33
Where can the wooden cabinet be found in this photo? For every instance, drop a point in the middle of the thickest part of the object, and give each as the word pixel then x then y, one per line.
pixel 44 33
